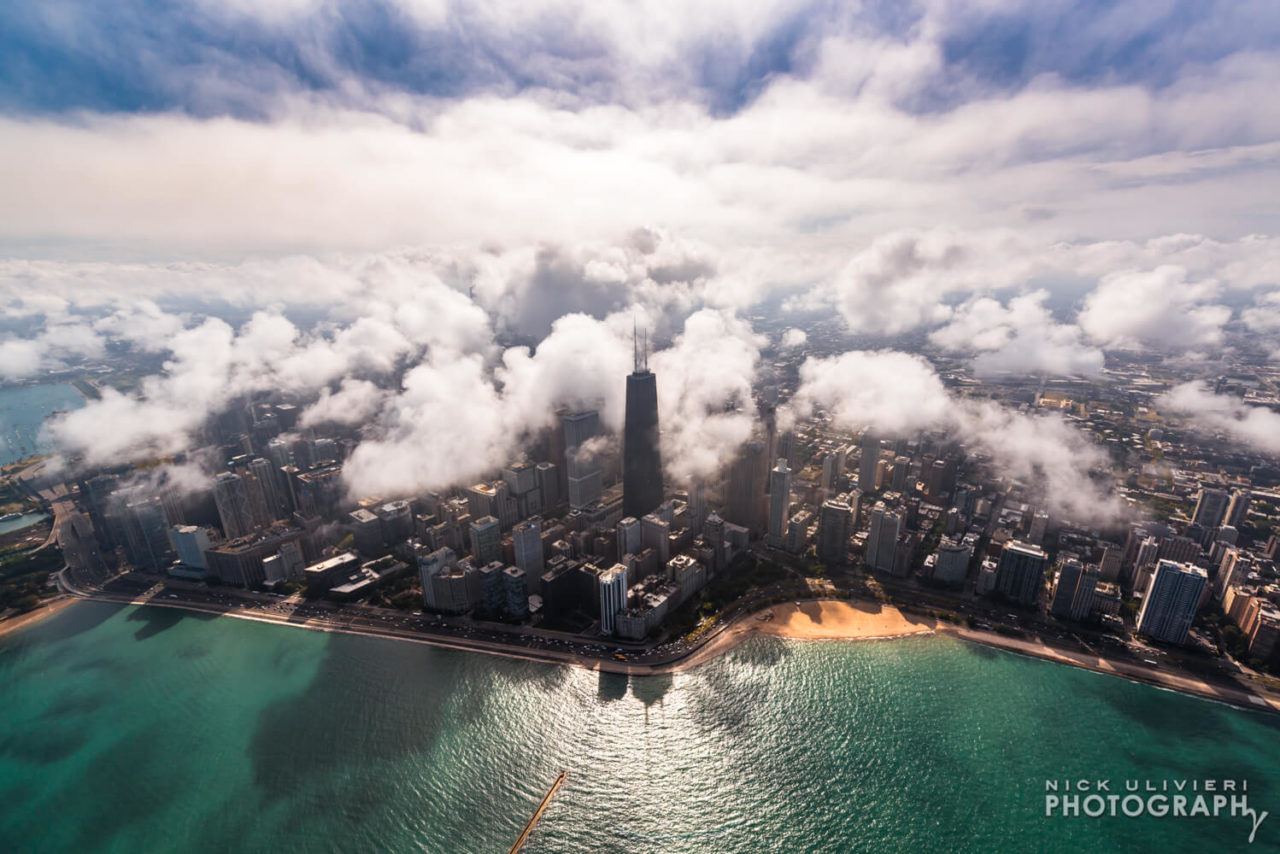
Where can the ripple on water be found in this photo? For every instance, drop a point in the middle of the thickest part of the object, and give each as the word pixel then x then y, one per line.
pixel 227 735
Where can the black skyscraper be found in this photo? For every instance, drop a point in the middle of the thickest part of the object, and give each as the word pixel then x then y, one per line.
pixel 641 460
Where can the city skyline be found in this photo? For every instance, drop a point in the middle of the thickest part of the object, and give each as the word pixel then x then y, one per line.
pixel 552 373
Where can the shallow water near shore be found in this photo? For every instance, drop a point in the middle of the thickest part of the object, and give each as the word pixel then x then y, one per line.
pixel 127 729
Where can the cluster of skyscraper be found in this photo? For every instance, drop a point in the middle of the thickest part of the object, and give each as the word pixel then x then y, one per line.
pixel 577 535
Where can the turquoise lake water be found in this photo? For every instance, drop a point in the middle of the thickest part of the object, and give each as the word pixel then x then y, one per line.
pixel 23 410
pixel 149 729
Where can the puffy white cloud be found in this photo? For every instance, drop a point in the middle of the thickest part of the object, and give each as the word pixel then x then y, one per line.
pixel 891 392
pixel 704 396
pixel 894 393
pixel 355 402
pixel 1018 337
pixel 1158 308
pixel 582 364
pixel 704 393
pixel 640 163
pixel 805 167
pixel 900 281
pixel 1254 426
pixel 793 338
pixel 61 339
pixel 1263 318
pixel 141 323
pixel 211 365
pixel 443 428
pixel 19 358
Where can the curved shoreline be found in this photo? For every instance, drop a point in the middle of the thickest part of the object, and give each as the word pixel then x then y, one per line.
pixel 858 620
pixel 35 615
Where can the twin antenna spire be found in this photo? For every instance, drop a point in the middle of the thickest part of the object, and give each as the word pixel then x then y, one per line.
pixel 640 347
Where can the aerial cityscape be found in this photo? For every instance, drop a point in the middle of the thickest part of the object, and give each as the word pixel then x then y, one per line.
pixel 576 427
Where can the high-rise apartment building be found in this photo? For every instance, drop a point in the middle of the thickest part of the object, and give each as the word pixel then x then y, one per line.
pixel 835 524
pixel 1171 601
pixel 744 499
pixel 526 541
pixel 1211 507
pixel 779 502
pixel 486 540
pixel 1020 573
pixel 1073 593
pixel 613 596
pixel 882 538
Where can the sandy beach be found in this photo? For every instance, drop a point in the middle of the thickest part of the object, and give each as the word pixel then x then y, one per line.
pixel 48 609
pixel 839 620
pixel 807 620
pixel 810 619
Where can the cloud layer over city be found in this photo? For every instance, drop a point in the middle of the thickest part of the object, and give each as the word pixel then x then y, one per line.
pixel 440 220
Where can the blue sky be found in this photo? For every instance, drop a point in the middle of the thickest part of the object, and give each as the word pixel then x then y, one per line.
pixel 149 55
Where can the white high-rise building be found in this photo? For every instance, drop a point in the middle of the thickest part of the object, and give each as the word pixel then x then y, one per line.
pixel 613 596
pixel 486 540
pixel 629 541
pixel 655 534
pixel 779 502
pixel 526 540
pixel 952 563
pixel 1171 601
pixel 431 564
pixel 190 542
pixel 833 467
pixel 882 539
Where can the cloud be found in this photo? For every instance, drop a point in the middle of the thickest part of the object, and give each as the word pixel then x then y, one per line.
pixel 1254 426
pixel 805 165
pixel 891 392
pixel 210 366
pixel 793 338
pixel 1264 319
pixel 409 189
pixel 444 428
pixel 1159 309
pixel 59 341
pixel 19 358
pixel 704 396
pixel 1264 316
pixel 1018 337
pixel 898 394
pixel 355 402
pixel 900 282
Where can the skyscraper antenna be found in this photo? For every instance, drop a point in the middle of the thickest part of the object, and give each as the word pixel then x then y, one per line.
pixel 635 343
pixel 646 348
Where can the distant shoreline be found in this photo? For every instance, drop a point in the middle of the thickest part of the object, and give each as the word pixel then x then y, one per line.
pixel 803 621
pixel 45 609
